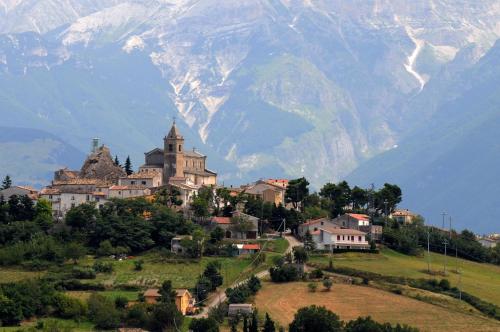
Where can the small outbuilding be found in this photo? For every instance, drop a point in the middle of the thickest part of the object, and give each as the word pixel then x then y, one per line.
pixel 236 309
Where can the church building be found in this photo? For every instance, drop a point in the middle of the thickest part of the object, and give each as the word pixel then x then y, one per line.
pixel 176 165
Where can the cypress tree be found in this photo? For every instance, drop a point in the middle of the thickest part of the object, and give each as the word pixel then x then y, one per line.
pixel 128 166
pixel 245 324
pixel 254 327
pixel 117 162
pixel 269 324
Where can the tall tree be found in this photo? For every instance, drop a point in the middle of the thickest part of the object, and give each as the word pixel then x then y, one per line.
pixel 167 292
pixel 296 192
pixel 43 214
pixel 315 318
pixel 254 324
pixel 128 166
pixel 117 162
pixel 309 243
pixel 268 324
pixel 7 182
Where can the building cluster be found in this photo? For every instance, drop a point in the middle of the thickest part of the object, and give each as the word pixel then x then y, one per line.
pixel 489 241
pixel 348 231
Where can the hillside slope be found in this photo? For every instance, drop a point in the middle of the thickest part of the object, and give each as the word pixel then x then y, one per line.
pixel 450 163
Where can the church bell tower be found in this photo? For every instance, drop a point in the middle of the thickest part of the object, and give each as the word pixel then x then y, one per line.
pixel 173 155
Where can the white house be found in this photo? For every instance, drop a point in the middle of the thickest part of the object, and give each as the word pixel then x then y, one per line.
pixel 328 238
pixel 313 225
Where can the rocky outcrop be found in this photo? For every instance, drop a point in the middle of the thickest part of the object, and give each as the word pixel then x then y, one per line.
pixel 100 165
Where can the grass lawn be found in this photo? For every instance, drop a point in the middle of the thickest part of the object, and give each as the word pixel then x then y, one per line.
pixel 13 274
pixel 481 280
pixel 282 301
pixel 278 245
pixel 183 274
pixel 53 322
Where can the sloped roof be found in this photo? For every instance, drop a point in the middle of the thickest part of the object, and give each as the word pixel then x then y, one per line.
pixel 152 292
pixel 359 216
pixel 222 220
pixel 314 221
pixel 251 246
pixel 174 132
pixel 341 231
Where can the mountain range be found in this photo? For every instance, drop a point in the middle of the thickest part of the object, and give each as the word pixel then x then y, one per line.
pixel 372 91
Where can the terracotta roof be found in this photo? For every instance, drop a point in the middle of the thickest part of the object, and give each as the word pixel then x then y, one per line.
pixel 359 216
pixel 50 191
pixel 27 188
pixel 152 292
pixel 77 181
pixel 316 232
pixel 314 221
pixel 142 175
pixel 118 188
pixel 221 220
pixel 341 231
pixel 251 246
pixel 403 213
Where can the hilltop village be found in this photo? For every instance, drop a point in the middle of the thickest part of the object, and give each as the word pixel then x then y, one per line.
pixel 167 248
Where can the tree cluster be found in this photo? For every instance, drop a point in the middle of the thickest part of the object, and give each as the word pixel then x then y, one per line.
pixel 242 292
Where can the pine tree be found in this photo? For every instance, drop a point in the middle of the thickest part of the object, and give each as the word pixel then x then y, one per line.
pixel 268 324
pixel 245 324
pixel 309 243
pixel 128 166
pixel 6 183
pixel 117 162
pixel 254 327
pixel 233 327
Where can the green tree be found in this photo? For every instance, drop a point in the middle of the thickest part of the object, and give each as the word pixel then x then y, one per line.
pixel 338 195
pixel 300 255
pixel 359 197
pixel 212 273
pixel 102 312
pixel 268 324
pixel 165 317
pixel 245 324
pixel 296 192
pixel 169 196
pixel 312 287
pixel 309 243
pixel 200 207
pixel 10 311
pixel 117 162
pixel 128 166
pixel 216 235
pixel 43 214
pixel 254 323
pixel 314 318
pixel 74 251
pixel 167 293
pixel 390 195
pixel 204 325
pixel 202 288
pixel 6 183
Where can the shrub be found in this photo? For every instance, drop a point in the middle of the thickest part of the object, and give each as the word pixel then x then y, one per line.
pixel 102 312
pixel 285 273
pixel 312 287
pixel 121 302
pixel 69 308
pixel 327 283
pixel 103 267
pixel 83 273
pixel 138 265
pixel 204 325
pixel 316 274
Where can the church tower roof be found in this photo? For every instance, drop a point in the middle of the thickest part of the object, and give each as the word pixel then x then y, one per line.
pixel 174 132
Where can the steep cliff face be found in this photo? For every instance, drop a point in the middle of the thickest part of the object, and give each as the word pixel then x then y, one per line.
pixel 100 165
pixel 266 87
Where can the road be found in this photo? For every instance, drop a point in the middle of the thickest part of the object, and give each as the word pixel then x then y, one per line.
pixel 220 295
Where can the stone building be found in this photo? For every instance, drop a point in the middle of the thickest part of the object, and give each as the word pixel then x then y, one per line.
pixel 177 165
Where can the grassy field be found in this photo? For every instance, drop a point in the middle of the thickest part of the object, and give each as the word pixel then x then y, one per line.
pixel 15 274
pixel 278 245
pixel 55 324
pixel 482 280
pixel 282 301
pixel 183 274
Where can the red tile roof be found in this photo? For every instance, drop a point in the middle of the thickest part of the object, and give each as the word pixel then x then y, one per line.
pixel 314 221
pixel 251 246
pixel 221 220
pixel 359 216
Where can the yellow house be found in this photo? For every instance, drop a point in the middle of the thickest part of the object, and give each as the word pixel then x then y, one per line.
pixel 183 300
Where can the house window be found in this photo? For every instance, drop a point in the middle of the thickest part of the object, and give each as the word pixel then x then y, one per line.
pixel 322 223
pixel 338 237
pixel 50 196
pixel 170 148
pixel 97 199
pixel 88 198
pixel 343 238
pixel 359 238
pixel 132 182
pixel 72 205
pixel 143 182
pixel 119 192
pixel 72 198
pixel 180 148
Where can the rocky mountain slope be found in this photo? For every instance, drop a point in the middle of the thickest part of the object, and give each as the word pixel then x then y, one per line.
pixel 265 87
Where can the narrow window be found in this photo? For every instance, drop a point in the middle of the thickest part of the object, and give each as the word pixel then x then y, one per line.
pixel 170 148
pixel 338 237
pixel 180 148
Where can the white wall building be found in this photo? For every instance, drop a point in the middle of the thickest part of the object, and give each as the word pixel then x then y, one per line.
pixel 328 238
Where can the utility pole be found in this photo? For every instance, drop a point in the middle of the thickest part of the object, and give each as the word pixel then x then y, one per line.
pixel 385 211
pixel 445 242
pixel 428 251
pixel 443 214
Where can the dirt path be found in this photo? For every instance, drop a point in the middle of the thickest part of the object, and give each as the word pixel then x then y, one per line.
pixel 219 296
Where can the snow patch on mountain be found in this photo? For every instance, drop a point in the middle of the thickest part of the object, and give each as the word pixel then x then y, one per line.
pixel 134 43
